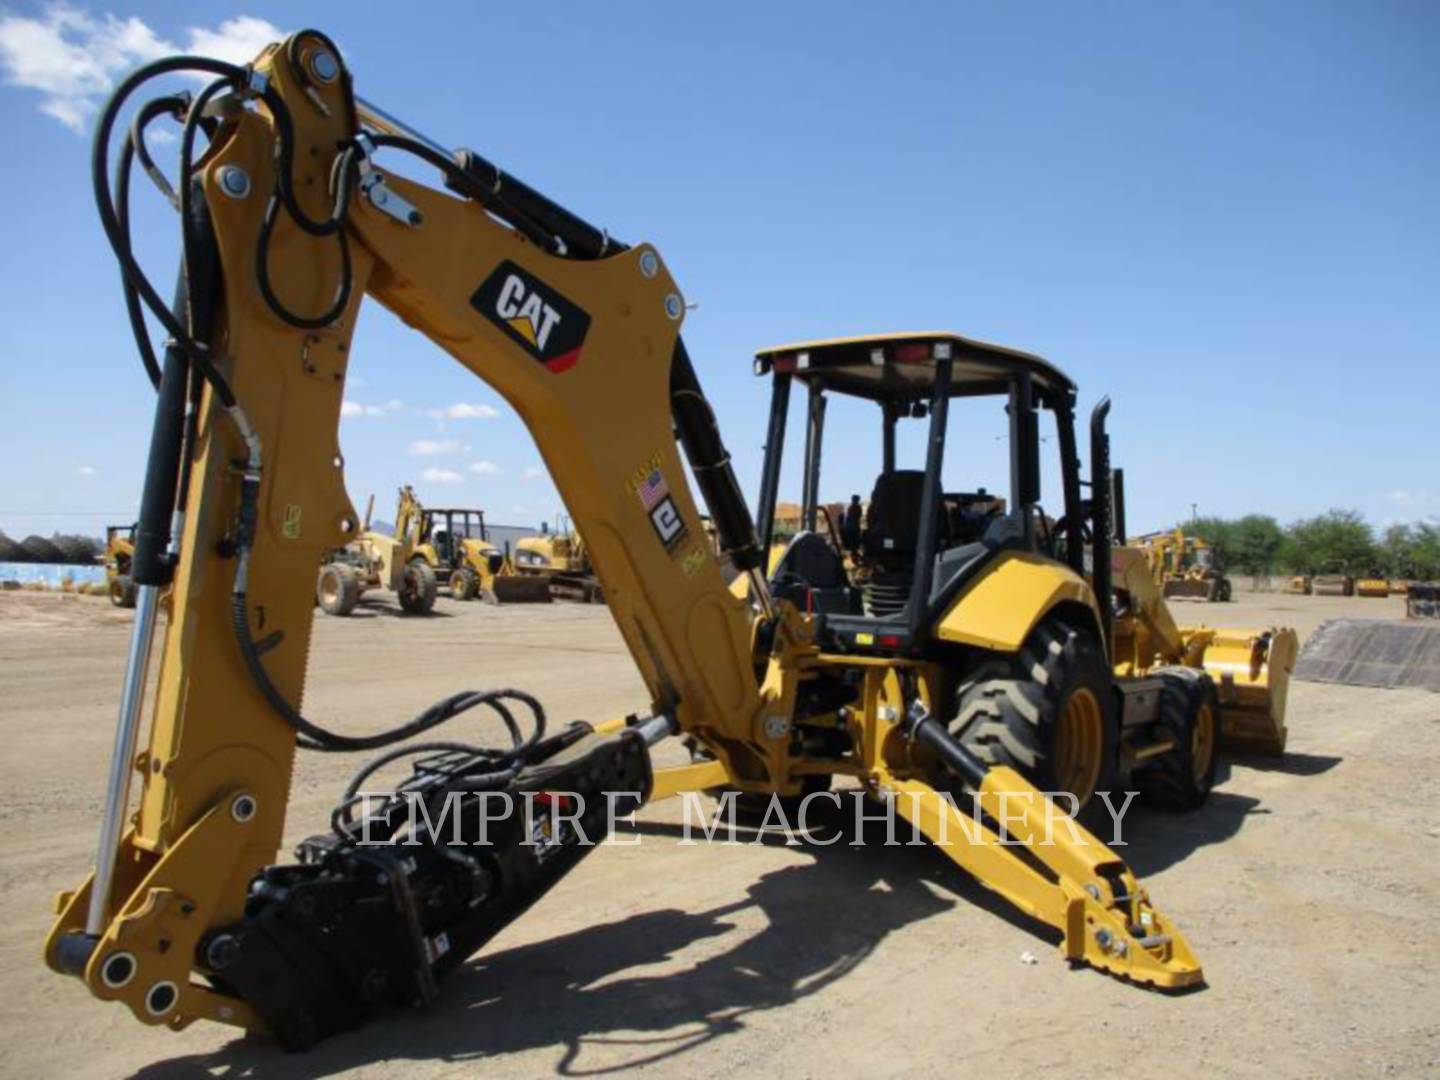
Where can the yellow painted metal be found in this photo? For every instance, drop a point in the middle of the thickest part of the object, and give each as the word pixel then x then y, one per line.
pixel 1105 917
pixel 1008 598
pixel 1372 587
pixel 682 778
pixel 603 425
pixel 1250 667
pixel 1079 744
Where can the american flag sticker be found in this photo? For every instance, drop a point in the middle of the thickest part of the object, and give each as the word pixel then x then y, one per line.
pixel 651 488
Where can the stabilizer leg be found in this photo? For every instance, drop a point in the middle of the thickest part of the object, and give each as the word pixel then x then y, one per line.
pixel 1047 865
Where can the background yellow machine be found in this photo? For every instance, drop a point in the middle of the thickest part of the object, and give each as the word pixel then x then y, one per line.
pixel 559 559
pixel 119 550
pixel 1002 663
pixel 1185 567
pixel 455 545
pixel 377 560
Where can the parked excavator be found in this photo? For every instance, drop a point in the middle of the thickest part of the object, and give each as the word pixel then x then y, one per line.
pixel 559 559
pixel 994 671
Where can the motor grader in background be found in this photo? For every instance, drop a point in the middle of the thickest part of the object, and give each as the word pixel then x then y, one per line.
pixel 1185 567
pixel 1003 653
pixel 559 559
pixel 375 560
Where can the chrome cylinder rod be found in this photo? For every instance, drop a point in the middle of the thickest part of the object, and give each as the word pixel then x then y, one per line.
pixel 377 119
pixel 122 760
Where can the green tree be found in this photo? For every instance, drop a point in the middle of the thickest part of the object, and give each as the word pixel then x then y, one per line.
pixel 1255 541
pixel 1425 551
pixel 1218 532
pixel 1335 542
pixel 1397 551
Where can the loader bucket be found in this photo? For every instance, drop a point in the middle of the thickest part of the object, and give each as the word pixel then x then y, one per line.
pixel 1372 652
pixel 522 589
pixel 1251 671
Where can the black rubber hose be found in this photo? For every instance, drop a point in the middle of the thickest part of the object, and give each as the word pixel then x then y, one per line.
pixel 118 237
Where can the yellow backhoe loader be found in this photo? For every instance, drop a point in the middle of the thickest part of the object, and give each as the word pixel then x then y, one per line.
pixel 119 550
pixel 375 560
pixel 456 547
pixel 994 670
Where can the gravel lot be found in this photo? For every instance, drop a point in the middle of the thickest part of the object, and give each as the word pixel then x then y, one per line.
pixel 1309 888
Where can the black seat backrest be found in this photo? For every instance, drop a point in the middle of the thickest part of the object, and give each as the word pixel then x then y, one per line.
pixel 893 524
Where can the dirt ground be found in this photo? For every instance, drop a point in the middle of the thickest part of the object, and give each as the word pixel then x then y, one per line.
pixel 1309 887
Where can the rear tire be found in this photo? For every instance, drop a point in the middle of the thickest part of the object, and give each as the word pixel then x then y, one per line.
pixel 1054 723
pixel 1182 778
pixel 338 590
pixel 418 589
pixel 464 584
pixel 122 591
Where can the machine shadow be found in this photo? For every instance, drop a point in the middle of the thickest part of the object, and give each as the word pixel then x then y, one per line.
pixel 381 609
pixel 1291 764
pixel 821 920
pixel 1158 839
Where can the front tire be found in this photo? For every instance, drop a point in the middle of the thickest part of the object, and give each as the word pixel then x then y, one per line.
pixel 418 589
pixel 1049 714
pixel 122 591
pixel 464 584
pixel 338 590
pixel 1181 779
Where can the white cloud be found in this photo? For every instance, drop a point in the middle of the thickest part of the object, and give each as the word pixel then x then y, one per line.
pixel 85 470
pixel 238 40
pixel 72 57
pixel 464 411
pixel 355 408
pixel 431 447
pixel 486 468
pixel 441 476
pixel 533 472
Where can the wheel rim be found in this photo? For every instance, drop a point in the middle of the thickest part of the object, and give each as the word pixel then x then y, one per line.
pixel 117 592
pixel 410 584
pixel 1202 742
pixel 330 588
pixel 1079 743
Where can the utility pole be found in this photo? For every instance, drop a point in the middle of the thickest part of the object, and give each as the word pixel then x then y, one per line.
pixel 1193 515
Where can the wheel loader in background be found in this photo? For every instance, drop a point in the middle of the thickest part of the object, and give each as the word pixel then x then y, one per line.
pixel 559 559
pixel 1020 653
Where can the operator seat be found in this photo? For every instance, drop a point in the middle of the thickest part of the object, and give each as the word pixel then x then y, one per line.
pixel 892 527
pixel 811 575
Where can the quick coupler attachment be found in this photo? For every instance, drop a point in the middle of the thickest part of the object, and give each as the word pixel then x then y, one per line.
pixel 1104 915
pixel 373 915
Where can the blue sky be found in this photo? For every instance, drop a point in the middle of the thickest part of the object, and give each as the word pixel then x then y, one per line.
pixel 1222 214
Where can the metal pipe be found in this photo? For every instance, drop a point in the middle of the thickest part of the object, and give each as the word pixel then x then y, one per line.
pixel 774 453
pixel 122 758
pixel 930 502
pixel 888 438
pixel 814 437
pixel 376 118
pixel 656 728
